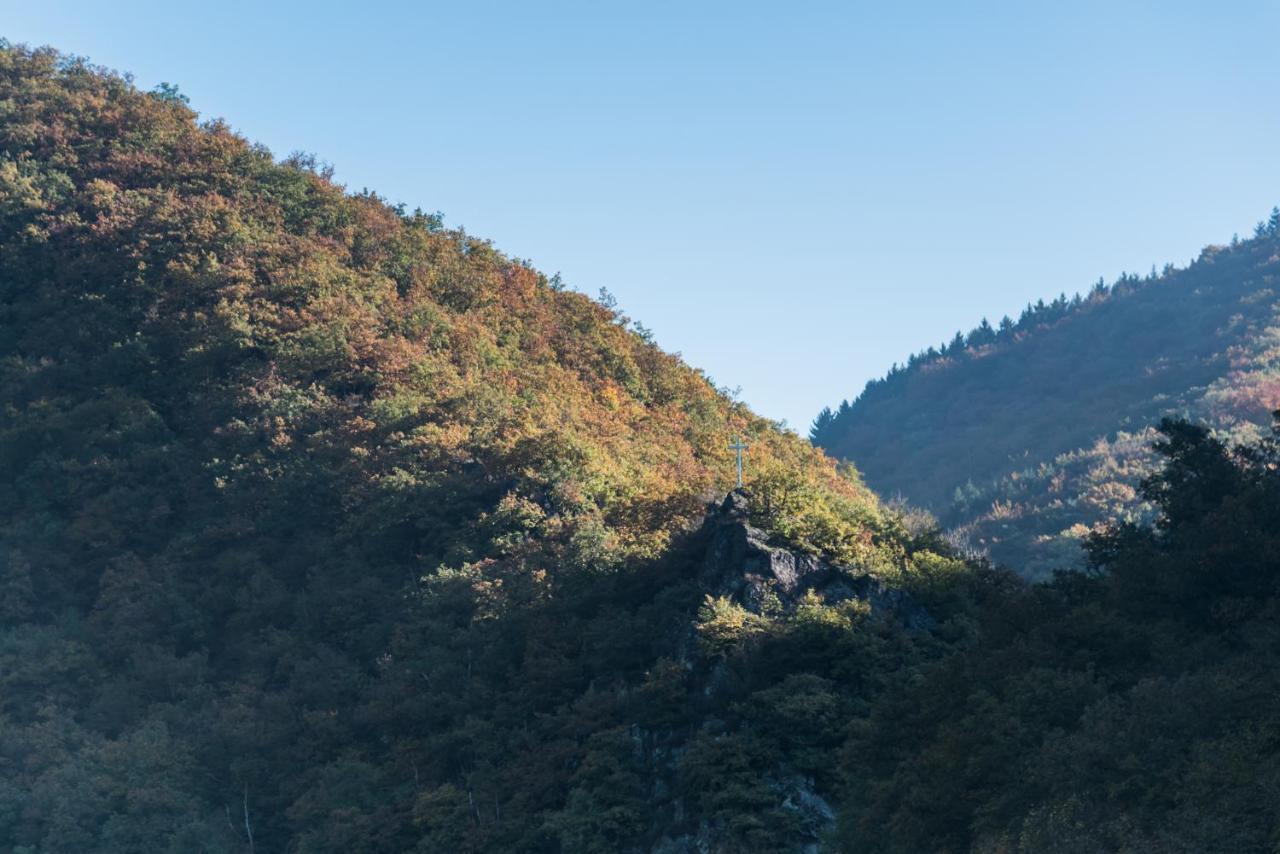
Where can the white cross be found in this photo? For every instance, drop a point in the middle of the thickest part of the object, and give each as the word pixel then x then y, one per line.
pixel 738 446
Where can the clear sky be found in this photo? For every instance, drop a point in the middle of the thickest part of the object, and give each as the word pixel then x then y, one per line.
pixel 793 195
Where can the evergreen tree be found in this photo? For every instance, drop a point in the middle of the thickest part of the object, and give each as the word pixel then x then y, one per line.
pixel 982 335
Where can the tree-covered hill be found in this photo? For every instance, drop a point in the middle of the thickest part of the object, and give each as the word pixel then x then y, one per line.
pixel 324 523
pixel 1027 434
pixel 324 528
pixel 1129 707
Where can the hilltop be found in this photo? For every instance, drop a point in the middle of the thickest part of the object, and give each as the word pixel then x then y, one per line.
pixel 1025 435
pixel 321 513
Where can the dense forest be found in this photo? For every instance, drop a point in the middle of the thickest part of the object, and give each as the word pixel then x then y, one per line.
pixel 326 528
pixel 1026 435
pixel 323 522
pixel 1130 706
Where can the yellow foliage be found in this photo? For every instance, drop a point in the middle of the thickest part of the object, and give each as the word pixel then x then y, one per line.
pixel 723 624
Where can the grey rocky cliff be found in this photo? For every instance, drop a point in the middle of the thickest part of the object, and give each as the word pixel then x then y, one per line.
pixel 741 564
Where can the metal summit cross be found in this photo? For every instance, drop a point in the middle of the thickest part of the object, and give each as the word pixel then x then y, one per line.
pixel 738 446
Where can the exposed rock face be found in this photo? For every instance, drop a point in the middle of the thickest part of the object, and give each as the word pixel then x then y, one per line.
pixel 741 564
pixel 802 799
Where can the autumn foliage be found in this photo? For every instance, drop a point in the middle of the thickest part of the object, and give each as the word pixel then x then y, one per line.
pixel 286 471
pixel 324 528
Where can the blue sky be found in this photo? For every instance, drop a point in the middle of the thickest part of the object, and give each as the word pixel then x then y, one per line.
pixel 794 196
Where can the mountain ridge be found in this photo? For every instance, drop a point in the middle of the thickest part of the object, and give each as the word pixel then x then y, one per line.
pixel 990 431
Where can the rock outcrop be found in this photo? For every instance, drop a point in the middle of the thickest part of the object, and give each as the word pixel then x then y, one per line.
pixel 741 564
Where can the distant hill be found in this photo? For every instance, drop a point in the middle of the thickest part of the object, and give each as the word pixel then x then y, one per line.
pixel 1024 435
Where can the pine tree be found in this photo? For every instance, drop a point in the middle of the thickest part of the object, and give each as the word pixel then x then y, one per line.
pixel 982 335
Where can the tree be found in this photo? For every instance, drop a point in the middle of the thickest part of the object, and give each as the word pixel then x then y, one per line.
pixel 982 335
pixel 169 93
pixel 820 425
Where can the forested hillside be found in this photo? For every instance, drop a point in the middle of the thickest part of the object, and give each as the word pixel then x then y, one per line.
pixel 329 526
pixel 324 528
pixel 1025 435
pixel 1130 707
